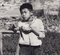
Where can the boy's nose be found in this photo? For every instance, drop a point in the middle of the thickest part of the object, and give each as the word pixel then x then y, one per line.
pixel 24 14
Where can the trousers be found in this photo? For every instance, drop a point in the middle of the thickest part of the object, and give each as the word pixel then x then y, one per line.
pixel 29 50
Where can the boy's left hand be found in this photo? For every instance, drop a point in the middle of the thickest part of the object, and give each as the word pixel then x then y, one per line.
pixel 26 27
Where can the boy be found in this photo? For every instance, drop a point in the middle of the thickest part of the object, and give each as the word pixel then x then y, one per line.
pixel 31 31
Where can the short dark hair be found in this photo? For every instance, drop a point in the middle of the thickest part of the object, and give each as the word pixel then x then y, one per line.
pixel 26 5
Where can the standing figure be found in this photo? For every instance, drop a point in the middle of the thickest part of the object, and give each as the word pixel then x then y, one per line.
pixel 31 31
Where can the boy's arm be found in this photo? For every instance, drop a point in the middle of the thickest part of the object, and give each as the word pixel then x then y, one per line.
pixel 17 28
pixel 38 29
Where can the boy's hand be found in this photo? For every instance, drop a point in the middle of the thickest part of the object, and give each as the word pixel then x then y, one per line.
pixel 34 30
pixel 26 28
pixel 16 28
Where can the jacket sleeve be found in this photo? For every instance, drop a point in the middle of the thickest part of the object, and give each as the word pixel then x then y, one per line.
pixel 38 28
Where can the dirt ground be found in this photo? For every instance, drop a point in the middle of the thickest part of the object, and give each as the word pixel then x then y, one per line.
pixel 51 44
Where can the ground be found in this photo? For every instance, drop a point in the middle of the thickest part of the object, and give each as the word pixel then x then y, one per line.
pixel 50 46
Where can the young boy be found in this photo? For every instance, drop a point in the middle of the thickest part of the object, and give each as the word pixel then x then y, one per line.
pixel 31 31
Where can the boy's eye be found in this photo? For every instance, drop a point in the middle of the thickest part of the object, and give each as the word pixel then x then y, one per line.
pixel 24 12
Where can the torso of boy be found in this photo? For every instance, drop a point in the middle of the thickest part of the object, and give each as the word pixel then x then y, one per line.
pixel 29 38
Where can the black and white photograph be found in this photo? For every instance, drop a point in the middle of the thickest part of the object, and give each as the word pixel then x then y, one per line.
pixel 29 27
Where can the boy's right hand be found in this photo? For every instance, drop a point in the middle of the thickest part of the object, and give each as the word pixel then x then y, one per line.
pixel 26 28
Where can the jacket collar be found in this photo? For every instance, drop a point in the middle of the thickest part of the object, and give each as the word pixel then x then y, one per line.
pixel 31 18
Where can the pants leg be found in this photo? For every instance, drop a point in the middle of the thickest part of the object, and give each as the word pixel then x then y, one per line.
pixel 25 50
pixel 29 50
pixel 37 50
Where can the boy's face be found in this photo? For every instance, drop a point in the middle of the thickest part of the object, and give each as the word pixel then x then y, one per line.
pixel 26 13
